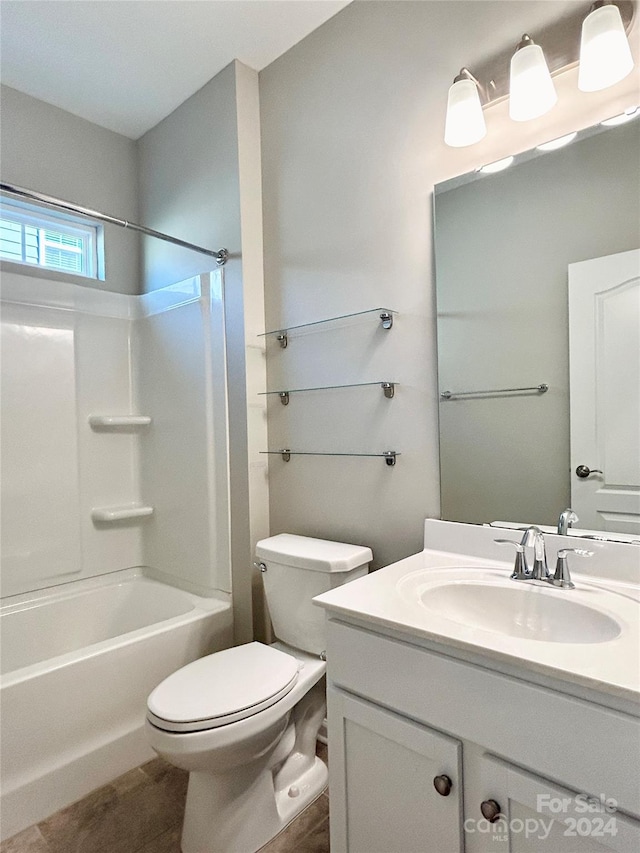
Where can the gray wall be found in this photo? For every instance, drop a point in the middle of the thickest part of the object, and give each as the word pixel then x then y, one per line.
pixel 194 166
pixel 352 124
pixel 49 150
pixel 503 245
pixel 189 185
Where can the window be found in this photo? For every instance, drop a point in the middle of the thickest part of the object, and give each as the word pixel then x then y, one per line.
pixel 35 236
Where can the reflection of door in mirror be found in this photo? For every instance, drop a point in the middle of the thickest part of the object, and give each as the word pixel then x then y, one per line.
pixel 504 243
pixel 604 335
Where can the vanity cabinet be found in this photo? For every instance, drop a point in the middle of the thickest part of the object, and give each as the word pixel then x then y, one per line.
pixel 542 816
pixel 562 771
pixel 388 764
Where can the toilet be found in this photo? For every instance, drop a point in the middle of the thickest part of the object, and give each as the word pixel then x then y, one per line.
pixel 244 721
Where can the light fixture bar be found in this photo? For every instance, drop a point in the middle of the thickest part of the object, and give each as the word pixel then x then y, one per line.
pixel 605 58
pixel 561 43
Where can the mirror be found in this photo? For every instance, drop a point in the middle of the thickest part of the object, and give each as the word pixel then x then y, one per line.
pixel 515 271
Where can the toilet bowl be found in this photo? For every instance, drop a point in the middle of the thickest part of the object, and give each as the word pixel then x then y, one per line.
pixel 250 776
pixel 244 721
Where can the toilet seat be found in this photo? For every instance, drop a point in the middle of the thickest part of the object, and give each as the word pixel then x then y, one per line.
pixel 222 688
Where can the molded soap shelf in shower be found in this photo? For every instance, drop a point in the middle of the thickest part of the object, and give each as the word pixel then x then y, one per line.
pixel 118 421
pixel 120 513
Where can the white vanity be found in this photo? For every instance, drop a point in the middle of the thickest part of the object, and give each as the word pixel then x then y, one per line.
pixel 470 712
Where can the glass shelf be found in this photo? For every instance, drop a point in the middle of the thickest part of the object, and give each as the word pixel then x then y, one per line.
pixel 388 389
pixel 389 456
pixel 386 321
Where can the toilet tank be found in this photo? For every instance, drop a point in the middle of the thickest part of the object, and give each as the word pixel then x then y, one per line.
pixel 297 569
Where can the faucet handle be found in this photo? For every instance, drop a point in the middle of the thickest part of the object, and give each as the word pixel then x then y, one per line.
pixel 562 576
pixel 520 568
pixel 581 552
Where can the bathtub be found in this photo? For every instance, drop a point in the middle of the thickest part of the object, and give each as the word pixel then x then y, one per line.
pixel 78 662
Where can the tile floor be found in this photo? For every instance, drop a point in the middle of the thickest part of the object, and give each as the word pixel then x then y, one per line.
pixel 141 812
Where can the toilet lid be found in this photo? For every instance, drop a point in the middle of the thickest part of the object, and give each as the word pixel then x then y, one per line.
pixel 222 688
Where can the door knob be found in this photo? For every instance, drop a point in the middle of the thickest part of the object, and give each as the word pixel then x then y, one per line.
pixel 583 471
pixel 443 785
pixel 490 810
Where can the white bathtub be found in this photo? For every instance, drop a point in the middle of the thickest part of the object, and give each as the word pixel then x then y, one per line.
pixel 78 662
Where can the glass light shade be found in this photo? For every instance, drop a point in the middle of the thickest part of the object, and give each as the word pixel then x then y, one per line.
pixel 605 55
pixel 464 124
pixel 531 89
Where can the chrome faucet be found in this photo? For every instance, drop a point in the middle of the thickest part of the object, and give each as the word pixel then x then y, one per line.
pixel 540 572
pixel 566 519
pixel 521 572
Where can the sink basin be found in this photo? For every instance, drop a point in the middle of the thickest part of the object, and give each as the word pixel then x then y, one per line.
pixel 523 611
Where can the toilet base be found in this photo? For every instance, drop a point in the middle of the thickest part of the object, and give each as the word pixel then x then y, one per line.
pixel 241 809
pixel 308 787
pixel 251 815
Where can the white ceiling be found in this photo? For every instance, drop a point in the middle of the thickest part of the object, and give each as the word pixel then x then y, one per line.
pixel 126 64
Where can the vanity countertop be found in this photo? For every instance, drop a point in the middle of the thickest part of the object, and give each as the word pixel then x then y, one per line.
pixel 390 600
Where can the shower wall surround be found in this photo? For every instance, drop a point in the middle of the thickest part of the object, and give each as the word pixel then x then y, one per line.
pixel 69 352
pixel 179 379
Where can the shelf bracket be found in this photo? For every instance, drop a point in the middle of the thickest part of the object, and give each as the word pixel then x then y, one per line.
pixel 390 457
pixel 283 340
pixel 284 397
pixel 387 320
pixel 286 454
pixel 389 389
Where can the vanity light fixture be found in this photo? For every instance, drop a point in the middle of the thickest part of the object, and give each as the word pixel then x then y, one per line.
pixel 497 166
pixel 531 89
pixel 464 123
pixel 604 58
pixel 605 55
pixel 560 142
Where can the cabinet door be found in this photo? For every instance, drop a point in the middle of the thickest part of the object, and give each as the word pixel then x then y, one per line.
pixel 541 817
pixel 382 770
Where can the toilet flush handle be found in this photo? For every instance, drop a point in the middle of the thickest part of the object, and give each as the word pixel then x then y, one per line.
pixel 261 566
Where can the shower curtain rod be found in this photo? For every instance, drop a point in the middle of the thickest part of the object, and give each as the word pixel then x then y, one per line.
pixel 221 256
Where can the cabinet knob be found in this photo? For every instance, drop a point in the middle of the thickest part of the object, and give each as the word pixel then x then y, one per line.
pixel 443 785
pixel 490 810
